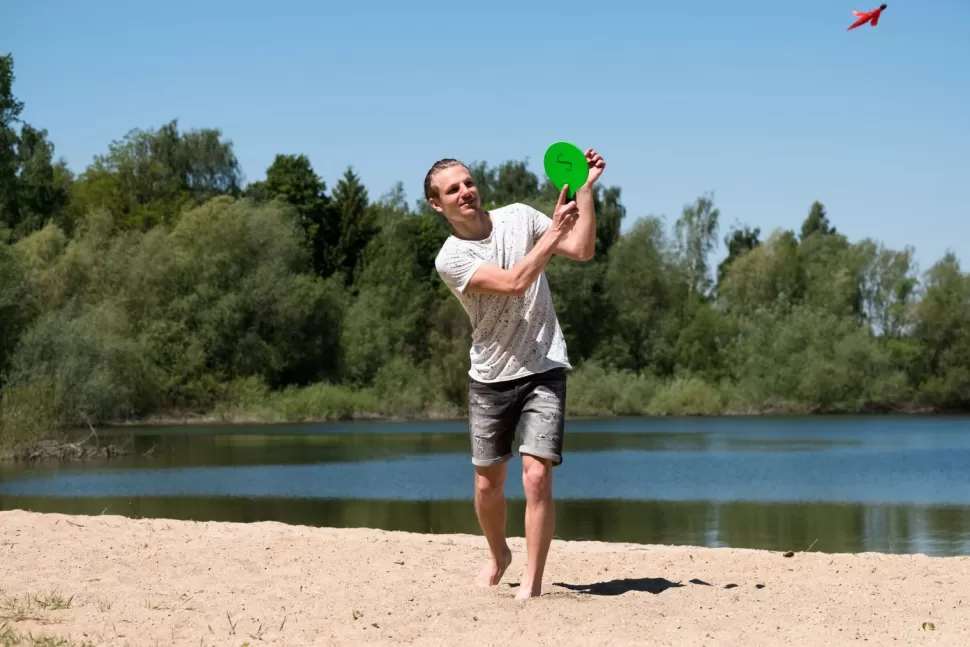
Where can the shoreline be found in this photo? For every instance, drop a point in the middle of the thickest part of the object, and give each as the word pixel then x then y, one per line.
pixel 57 447
pixel 212 418
pixel 112 580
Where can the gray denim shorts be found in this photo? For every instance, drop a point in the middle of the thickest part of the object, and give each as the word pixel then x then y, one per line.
pixel 534 406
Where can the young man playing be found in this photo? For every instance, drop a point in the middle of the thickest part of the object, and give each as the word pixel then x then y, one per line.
pixel 493 263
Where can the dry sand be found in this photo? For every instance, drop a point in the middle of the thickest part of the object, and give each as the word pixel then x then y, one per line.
pixel 162 582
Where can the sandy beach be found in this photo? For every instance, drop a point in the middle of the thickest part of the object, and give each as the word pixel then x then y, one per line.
pixel 110 580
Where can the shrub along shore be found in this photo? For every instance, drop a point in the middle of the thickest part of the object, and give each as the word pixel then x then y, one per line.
pixel 593 393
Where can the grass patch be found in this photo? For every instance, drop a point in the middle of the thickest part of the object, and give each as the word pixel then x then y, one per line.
pixel 397 394
pixel 29 607
pixel 593 391
pixel 10 637
pixel 689 396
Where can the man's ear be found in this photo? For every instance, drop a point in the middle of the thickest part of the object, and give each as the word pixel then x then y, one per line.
pixel 436 205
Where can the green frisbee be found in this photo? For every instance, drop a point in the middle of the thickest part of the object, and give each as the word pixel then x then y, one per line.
pixel 566 164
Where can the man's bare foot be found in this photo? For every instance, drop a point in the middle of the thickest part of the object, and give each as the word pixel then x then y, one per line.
pixel 492 574
pixel 527 591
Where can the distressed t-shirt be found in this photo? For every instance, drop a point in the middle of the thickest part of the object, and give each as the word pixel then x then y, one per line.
pixel 511 336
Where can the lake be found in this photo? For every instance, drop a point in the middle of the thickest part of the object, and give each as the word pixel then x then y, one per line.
pixel 832 484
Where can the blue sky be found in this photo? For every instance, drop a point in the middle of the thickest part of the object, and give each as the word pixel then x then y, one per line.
pixel 770 105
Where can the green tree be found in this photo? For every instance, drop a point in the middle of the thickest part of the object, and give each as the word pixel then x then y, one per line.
pixel 43 185
pixel 817 222
pixel 10 109
pixel 767 275
pixel 739 241
pixel 513 182
pixel 644 294
pixel 33 187
pixel 16 306
pixel 888 288
pixel 150 176
pixel 696 236
pixel 832 272
pixel 292 179
pixel 357 225
pixel 942 328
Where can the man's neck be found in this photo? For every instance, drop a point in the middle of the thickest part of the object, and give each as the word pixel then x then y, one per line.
pixel 478 228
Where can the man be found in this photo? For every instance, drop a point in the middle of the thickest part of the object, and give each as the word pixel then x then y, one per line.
pixel 493 263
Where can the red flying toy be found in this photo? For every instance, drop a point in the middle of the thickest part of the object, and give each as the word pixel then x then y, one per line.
pixel 871 17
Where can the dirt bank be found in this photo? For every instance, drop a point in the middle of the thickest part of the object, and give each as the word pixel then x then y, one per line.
pixel 115 581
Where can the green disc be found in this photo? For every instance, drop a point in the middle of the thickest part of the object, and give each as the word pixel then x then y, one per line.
pixel 566 164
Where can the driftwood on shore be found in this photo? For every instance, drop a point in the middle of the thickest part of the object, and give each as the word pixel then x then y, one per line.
pixel 62 450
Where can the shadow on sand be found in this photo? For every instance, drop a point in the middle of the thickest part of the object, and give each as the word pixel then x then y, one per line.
pixel 655 585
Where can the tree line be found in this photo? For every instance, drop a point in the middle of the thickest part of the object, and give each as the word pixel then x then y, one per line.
pixel 155 283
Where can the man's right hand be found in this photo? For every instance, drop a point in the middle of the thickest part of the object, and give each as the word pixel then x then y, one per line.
pixel 565 215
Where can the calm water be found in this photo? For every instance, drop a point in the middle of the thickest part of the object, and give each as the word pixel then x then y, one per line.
pixel 890 484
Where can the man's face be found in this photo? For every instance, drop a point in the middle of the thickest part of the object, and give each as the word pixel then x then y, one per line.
pixel 457 193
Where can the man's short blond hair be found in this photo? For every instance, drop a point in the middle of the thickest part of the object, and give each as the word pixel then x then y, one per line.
pixel 430 190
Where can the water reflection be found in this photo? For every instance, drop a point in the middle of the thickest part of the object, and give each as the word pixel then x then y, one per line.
pixel 309 443
pixel 937 531
pixel 917 477
pixel 842 484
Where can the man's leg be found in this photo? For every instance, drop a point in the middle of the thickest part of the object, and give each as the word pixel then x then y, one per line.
pixel 490 508
pixel 542 425
pixel 491 422
pixel 540 521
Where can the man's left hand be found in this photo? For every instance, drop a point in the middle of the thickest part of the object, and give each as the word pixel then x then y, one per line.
pixel 596 166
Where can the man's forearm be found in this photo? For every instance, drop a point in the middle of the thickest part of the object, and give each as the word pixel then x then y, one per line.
pixel 581 241
pixel 489 278
pixel 526 271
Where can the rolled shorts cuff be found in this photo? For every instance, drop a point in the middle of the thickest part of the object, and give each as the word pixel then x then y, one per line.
pixel 488 462
pixel 538 453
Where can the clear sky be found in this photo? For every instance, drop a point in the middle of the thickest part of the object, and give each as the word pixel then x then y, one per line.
pixel 770 105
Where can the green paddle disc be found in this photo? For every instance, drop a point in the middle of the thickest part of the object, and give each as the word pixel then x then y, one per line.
pixel 566 164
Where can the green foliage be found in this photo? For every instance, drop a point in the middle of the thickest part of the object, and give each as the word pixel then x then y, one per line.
pixel 154 284
pixel 806 357
pixel 696 234
pixel 251 399
pixel 149 176
pixel 85 366
pixel 10 109
pixel 15 305
pixel 595 390
pixel 817 222
pixel 942 331
pixel 291 178
pixel 689 396
pixel 738 241
pixel 355 225
pixel 33 186
pixel 132 323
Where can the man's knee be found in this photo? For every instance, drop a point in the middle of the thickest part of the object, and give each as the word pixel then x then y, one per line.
pixel 490 481
pixel 536 477
pixel 543 419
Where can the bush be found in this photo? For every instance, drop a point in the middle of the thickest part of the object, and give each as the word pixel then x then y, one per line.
pixel 75 370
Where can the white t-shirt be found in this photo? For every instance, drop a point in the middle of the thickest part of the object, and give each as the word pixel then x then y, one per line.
pixel 511 336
